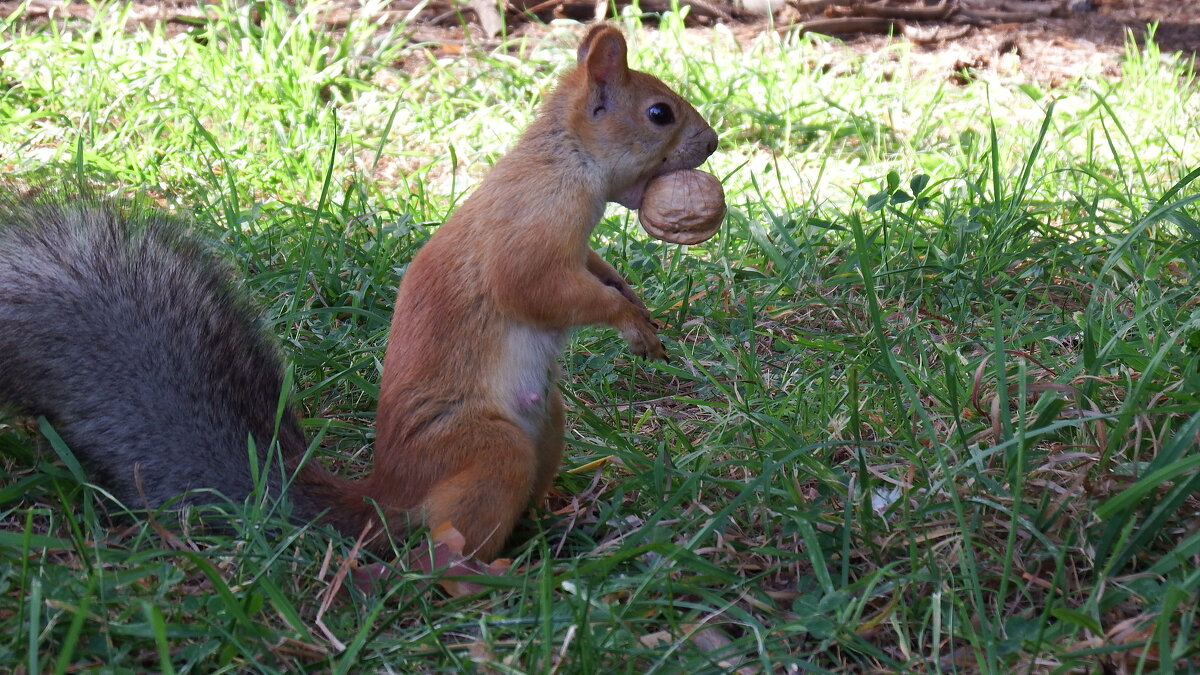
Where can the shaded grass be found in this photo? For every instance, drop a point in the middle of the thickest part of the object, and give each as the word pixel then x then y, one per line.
pixel 934 407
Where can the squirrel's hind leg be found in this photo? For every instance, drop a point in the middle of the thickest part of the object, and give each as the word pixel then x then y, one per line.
pixel 484 499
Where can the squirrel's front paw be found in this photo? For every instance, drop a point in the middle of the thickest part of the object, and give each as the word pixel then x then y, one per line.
pixel 644 342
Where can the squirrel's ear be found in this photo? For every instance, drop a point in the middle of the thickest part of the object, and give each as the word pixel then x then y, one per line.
pixel 602 54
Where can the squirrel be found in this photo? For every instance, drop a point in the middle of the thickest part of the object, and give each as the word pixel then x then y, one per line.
pixel 136 345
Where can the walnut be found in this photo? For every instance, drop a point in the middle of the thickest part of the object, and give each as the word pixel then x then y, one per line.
pixel 683 207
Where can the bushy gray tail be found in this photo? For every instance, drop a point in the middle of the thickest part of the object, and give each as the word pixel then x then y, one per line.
pixel 131 340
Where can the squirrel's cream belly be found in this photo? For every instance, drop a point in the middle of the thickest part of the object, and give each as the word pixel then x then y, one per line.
pixel 525 372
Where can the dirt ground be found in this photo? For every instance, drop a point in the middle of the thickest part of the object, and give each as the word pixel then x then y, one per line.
pixel 1054 49
pixel 1046 50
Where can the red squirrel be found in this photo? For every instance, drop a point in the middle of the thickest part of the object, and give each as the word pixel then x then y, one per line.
pixel 130 339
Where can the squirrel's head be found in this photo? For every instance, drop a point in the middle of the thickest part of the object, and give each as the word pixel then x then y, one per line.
pixel 631 123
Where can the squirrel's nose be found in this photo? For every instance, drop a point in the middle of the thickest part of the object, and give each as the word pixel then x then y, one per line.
pixel 709 138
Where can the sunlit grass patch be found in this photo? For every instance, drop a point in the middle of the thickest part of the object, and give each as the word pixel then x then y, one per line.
pixel 935 389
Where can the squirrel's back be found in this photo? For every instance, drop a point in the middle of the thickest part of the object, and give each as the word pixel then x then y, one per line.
pixel 129 337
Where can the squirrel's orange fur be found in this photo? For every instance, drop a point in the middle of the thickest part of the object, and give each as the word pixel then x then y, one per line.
pixel 470 423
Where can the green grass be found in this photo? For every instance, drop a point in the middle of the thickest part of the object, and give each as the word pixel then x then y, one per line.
pixel 935 396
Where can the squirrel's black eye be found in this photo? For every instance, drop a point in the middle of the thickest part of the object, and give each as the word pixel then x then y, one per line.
pixel 661 114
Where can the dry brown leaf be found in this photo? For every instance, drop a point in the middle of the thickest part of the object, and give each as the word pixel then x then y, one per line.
pixel 656 639
pixel 709 638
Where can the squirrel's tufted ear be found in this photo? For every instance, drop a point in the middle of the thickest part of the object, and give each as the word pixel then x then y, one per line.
pixel 602 54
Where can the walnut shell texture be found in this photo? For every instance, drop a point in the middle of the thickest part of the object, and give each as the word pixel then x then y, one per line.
pixel 683 207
